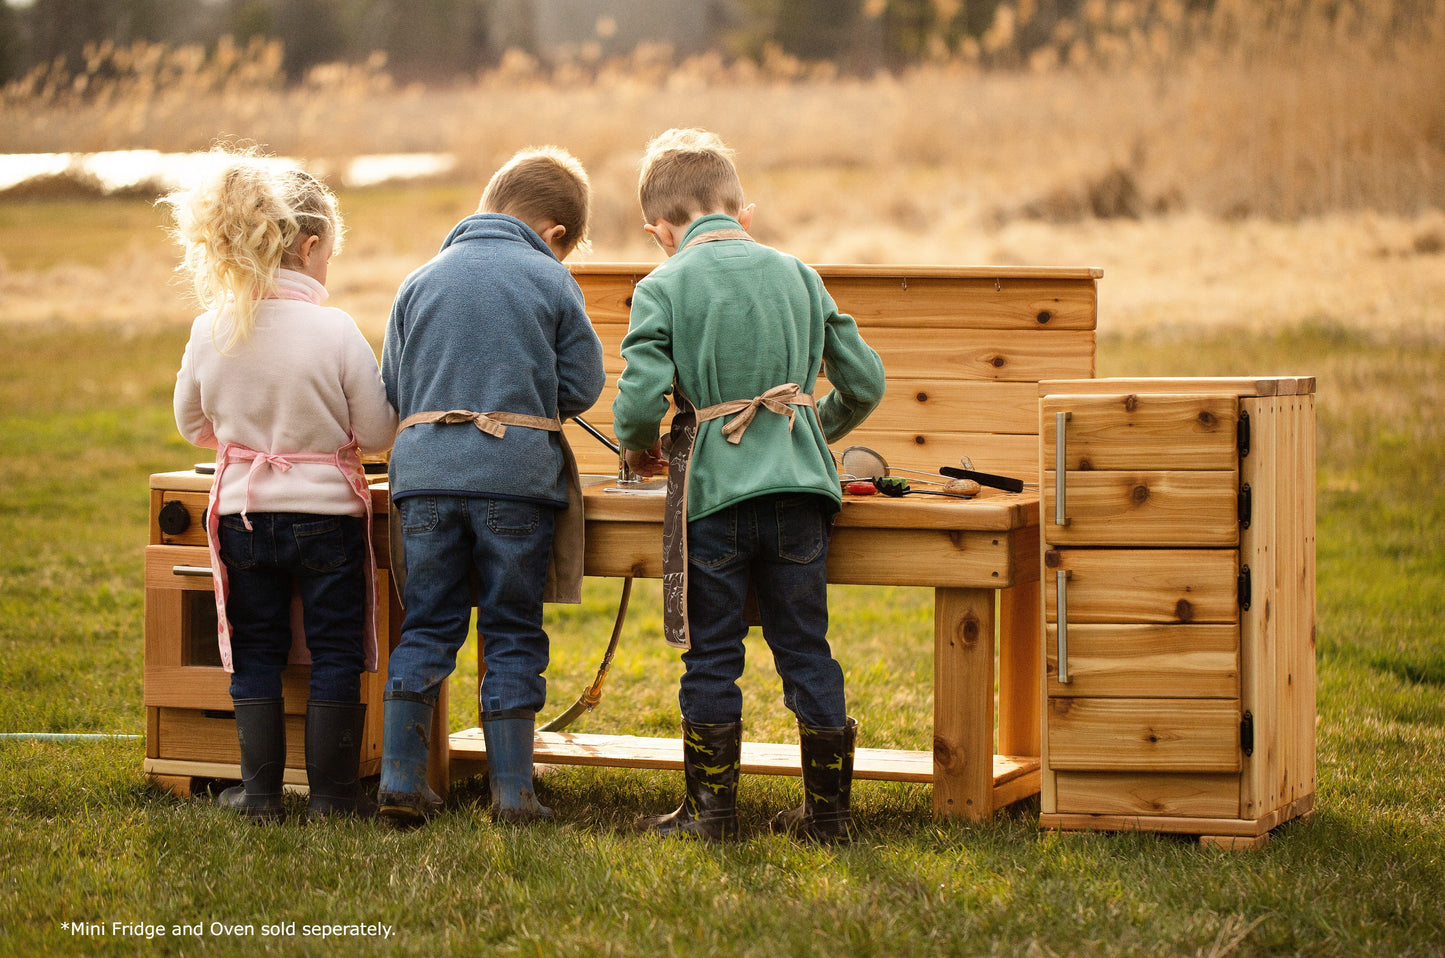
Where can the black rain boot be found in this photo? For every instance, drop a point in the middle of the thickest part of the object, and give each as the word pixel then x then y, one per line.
pixel 827 784
pixel 333 760
pixel 711 759
pixel 261 729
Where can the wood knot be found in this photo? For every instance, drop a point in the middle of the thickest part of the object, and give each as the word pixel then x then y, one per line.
pixel 997 362
pixel 1044 316
pixel 1052 559
pixel 1184 610
pixel 1086 465
pixel 1140 494
pixel 919 441
pixel 627 302
pixel 1207 419
pixel 1131 403
pixel 923 397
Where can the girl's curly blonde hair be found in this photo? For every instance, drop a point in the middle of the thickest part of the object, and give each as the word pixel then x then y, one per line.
pixel 242 223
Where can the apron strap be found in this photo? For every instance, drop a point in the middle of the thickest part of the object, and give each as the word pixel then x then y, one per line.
pixel 491 423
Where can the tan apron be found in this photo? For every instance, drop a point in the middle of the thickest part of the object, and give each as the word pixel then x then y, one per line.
pixel 564 572
pixel 780 400
pixel 347 459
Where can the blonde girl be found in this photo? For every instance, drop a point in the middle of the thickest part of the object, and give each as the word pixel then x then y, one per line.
pixel 289 394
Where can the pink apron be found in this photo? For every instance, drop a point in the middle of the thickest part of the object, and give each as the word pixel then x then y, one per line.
pixel 347 460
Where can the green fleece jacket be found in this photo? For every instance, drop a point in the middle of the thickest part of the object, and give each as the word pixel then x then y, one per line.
pixel 730 320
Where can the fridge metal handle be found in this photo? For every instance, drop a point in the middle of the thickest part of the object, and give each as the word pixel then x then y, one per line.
pixel 1061 577
pixel 1061 517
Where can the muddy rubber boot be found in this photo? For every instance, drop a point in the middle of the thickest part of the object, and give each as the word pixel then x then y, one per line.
pixel 333 760
pixel 827 756
pixel 404 797
pixel 261 729
pixel 711 759
pixel 508 734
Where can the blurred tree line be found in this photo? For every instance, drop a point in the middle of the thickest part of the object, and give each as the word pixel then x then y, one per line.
pixel 436 40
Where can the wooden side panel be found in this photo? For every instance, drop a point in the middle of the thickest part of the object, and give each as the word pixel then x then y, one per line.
pixel 1140 661
pixel 1260 623
pixel 1124 586
pixel 1303 589
pixel 1143 431
pixel 1173 795
pixel 1144 509
pixel 1144 735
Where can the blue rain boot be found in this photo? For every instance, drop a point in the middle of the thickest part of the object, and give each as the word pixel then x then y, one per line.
pixel 404 797
pixel 261 729
pixel 508 734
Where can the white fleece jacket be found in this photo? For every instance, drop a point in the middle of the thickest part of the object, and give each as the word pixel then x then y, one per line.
pixel 306 379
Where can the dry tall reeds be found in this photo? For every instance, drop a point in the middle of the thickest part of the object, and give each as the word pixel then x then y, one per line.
pixel 1285 108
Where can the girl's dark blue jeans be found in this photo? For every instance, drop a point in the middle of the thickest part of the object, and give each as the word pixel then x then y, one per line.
pixel 324 558
pixel 779 543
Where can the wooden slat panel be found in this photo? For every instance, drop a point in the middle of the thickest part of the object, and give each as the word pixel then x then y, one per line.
pixel 191 735
pixel 1235 385
pixel 1144 585
pixel 925 302
pixel 944 405
pixel 1134 431
pixel 908 296
pixel 961 351
pixel 1007 455
pixel 1146 661
pixel 1144 509
pixel 983 354
pixel 1144 735
pixel 855 556
pixel 1173 795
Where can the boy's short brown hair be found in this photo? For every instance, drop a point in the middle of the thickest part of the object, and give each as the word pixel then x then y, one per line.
pixel 543 183
pixel 687 173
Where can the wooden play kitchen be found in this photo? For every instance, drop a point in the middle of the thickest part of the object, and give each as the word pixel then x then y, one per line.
pixel 1179 584
pixel 966 352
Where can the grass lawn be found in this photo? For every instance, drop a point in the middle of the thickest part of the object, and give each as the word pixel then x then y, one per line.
pixel 85 419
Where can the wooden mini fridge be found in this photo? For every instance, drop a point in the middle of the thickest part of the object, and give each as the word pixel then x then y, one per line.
pixel 1178 549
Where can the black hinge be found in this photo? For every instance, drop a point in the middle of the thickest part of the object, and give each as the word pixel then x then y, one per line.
pixel 1244 586
pixel 1241 434
pixel 1246 733
pixel 1246 506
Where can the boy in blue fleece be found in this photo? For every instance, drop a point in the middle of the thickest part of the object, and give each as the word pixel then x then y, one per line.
pixel 488 350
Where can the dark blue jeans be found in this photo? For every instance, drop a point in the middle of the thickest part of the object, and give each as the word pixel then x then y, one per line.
pixel 324 558
pixel 779 543
pixel 491 553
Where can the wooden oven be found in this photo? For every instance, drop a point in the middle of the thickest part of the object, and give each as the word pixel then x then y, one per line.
pixel 190 726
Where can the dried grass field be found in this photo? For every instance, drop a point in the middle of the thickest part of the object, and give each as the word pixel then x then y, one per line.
pixel 1244 169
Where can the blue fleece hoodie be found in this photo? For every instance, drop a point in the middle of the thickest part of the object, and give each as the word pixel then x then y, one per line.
pixel 492 323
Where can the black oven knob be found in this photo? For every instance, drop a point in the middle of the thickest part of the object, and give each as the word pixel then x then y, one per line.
pixel 174 518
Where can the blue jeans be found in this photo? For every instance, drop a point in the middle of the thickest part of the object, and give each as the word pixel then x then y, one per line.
pixel 491 553
pixel 779 543
pixel 324 558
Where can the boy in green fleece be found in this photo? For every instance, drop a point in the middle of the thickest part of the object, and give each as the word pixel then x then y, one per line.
pixel 738 333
